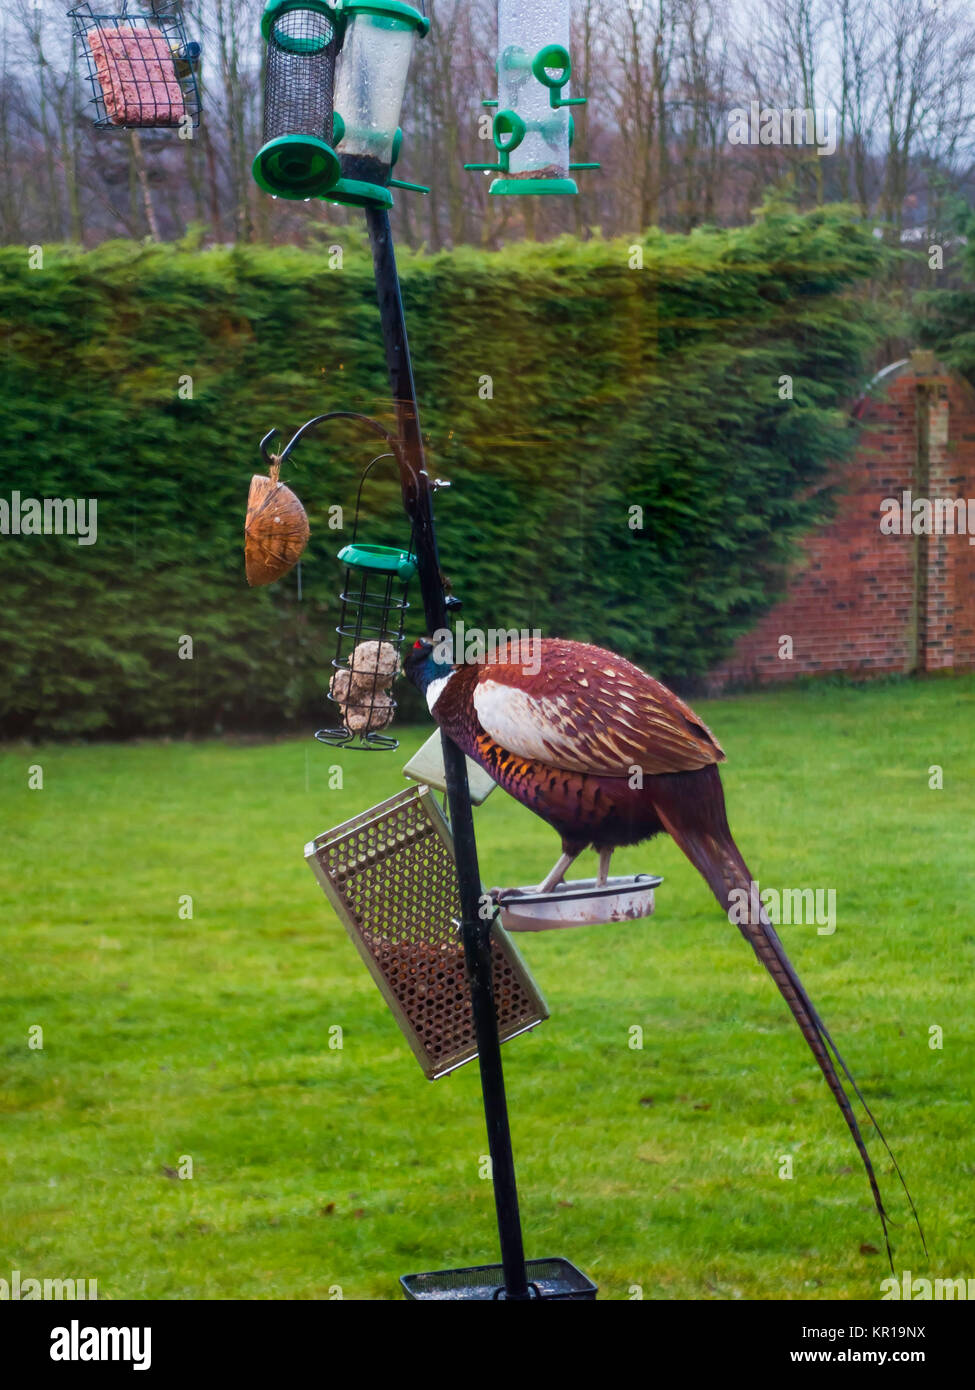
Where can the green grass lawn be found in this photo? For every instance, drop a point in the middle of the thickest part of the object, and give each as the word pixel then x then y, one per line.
pixel 316 1169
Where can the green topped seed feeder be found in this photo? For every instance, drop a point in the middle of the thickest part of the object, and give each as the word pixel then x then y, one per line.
pixel 369 88
pixel 533 128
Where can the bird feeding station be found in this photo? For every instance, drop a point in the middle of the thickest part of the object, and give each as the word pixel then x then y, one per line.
pixel 403 878
pixel 533 128
pixel 142 69
pixel 333 87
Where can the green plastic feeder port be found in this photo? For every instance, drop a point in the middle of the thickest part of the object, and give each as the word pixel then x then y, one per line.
pixel 357 193
pixel 383 559
pixel 296 167
pixel 303 41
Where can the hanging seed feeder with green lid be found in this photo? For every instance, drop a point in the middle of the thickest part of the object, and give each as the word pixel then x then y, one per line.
pixel 533 128
pixel 303 37
pixel 369 88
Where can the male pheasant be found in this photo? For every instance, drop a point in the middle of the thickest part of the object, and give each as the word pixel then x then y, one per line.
pixel 610 757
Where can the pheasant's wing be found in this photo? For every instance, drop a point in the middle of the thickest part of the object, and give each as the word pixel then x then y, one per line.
pixel 581 709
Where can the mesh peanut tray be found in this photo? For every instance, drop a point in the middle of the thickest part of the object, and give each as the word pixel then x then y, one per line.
pixel 389 874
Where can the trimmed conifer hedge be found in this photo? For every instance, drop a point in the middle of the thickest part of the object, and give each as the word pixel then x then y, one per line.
pixel 945 319
pixel 568 392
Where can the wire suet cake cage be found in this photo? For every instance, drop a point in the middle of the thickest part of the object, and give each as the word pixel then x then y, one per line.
pixel 142 69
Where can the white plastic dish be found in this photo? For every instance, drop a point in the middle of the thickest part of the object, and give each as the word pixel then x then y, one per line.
pixel 580 903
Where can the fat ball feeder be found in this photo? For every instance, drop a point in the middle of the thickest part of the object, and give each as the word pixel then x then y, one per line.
pixel 403 878
pixel 370 634
pixel 533 129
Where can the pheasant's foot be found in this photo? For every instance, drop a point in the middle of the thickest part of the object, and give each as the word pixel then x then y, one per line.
pixel 557 875
pixel 605 855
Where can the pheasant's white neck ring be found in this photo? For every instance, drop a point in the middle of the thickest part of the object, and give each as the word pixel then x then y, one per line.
pixel 435 689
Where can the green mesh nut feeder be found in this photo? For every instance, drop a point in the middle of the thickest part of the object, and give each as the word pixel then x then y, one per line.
pixel 533 127
pixel 303 37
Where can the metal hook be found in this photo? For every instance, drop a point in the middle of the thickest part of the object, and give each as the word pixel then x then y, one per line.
pixel 407 472
pixel 268 458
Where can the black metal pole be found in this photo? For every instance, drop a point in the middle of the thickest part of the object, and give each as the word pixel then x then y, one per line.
pixel 418 500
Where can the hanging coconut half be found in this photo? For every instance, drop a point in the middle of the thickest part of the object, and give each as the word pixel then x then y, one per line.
pixel 275 531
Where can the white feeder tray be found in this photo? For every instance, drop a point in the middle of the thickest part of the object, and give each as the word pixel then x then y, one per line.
pixel 427 766
pixel 581 903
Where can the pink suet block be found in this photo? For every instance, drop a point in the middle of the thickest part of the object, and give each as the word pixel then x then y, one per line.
pixel 137 77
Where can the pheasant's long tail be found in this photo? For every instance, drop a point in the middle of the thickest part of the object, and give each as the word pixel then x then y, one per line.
pixel 715 855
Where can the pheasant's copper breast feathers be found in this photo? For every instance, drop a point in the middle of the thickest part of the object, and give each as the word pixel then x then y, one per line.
pixel 582 709
pixel 276 530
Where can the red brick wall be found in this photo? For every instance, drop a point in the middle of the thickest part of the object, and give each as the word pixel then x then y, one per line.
pixel 866 603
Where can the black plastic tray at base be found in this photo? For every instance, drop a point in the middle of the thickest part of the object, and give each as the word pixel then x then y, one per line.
pixel 554 1279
